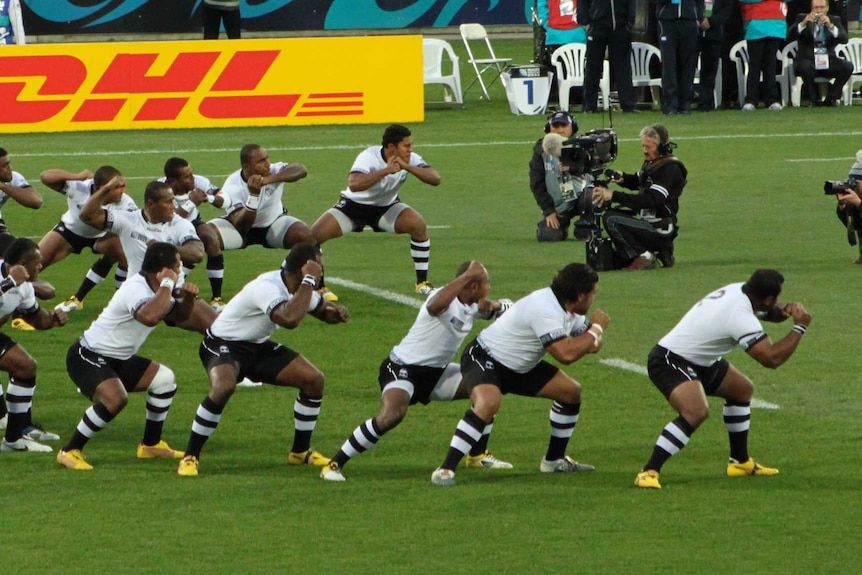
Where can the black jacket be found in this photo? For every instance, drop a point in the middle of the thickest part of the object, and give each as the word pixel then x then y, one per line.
pixel 722 10
pixel 685 10
pixel 607 13
pixel 806 37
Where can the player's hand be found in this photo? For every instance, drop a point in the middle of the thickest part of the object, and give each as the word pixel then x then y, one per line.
pixel 59 317
pixel 85 175
pixel 19 274
pixel 798 312
pixel 341 314
pixel 198 196
pixel 189 290
pixel 599 317
pixel 312 268
pixel 255 184
pixel 475 271
pixel 395 165
pixel 167 273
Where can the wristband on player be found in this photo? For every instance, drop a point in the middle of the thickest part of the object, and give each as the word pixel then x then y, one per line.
pixel 252 203
pixel 309 280
pixel 598 327
pixel 799 328
pixel 596 336
pixel 188 206
pixel 168 283
pixel 211 198
pixel 7 284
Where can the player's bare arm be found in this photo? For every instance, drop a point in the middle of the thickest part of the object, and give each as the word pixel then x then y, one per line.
pixel 287 174
pixel 158 306
pixel 56 179
pixel 192 252
pixel 43 319
pixel 772 355
pixel 92 213
pixel 570 349
pixel 290 314
pixel 185 302
pixel 27 197
pixel 439 303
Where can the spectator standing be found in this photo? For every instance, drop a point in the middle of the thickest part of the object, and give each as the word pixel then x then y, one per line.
pixel 710 40
pixel 216 12
pixel 765 26
pixel 678 22
pixel 609 26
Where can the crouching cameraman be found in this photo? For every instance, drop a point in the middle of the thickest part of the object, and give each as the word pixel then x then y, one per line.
pixel 849 208
pixel 643 226
pixel 555 189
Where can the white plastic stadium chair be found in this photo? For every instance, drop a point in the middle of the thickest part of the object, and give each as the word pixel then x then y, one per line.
pixel 788 60
pixel 643 55
pixel 570 63
pixel 490 64
pixel 853 49
pixel 433 50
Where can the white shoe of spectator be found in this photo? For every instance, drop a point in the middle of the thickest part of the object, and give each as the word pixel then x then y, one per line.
pixel 748 107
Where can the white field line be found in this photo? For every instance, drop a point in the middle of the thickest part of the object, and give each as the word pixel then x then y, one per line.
pixel 639 369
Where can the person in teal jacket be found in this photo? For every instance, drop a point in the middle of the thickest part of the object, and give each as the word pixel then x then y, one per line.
pixel 765 26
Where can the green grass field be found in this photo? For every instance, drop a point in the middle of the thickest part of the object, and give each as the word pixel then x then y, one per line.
pixel 753 200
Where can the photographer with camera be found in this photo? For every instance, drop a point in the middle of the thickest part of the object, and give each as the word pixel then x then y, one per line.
pixel 817 34
pixel 554 186
pixel 849 210
pixel 645 228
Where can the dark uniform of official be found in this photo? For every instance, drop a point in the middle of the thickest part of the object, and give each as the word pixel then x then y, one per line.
pixel 611 23
pixel 815 39
pixel 678 23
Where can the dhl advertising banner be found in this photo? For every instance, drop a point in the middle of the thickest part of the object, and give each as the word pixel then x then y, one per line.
pixel 202 84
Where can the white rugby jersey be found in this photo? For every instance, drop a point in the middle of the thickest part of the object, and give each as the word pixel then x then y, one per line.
pixel 201 183
pixel 18 181
pixel 134 232
pixel 518 339
pixel 116 333
pixel 384 192
pixel 19 298
pixel 433 341
pixel 270 196
pixel 714 326
pixel 77 194
pixel 246 315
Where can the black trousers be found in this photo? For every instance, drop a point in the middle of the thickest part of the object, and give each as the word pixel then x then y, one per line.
pixel 213 17
pixel 839 69
pixel 618 43
pixel 762 58
pixel 633 236
pixel 678 40
pixel 710 56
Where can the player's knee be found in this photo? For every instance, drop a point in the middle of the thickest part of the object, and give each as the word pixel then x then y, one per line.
pixel 572 394
pixel 163 382
pixel 695 415
pixel 221 389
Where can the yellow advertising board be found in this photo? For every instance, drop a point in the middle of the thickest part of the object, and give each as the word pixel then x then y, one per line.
pixel 203 84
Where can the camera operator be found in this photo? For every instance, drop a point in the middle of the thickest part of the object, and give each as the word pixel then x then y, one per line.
pixel 555 189
pixel 850 205
pixel 644 225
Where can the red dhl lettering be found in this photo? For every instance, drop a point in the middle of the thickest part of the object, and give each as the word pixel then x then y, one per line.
pixel 128 74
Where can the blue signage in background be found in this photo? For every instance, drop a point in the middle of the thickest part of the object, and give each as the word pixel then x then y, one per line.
pixel 69 17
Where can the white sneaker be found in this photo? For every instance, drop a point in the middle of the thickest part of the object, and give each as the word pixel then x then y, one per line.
pixel 748 108
pixel 23 444
pixel 487 461
pixel 776 106
pixel 331 472
pixel 444 477
pixel 36 433
pixel 563 465
pixel 246 382
pixel 4 420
